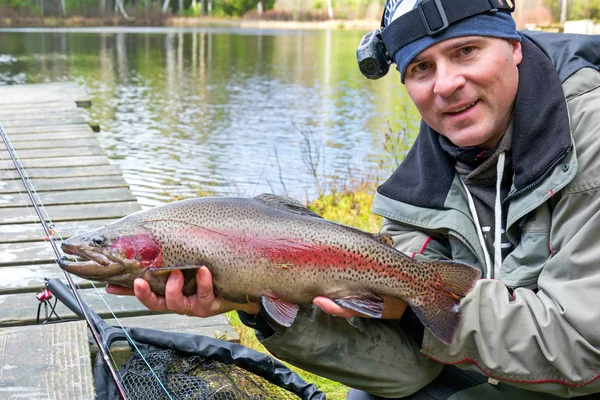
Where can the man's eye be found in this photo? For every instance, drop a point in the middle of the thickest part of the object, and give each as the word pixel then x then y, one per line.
pixel 467 50
pixel 421 67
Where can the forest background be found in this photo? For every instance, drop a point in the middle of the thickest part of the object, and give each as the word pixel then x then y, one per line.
pixel 541 13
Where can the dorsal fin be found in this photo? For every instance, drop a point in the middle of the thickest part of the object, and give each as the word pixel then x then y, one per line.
pixel 286 203
pixel 384 238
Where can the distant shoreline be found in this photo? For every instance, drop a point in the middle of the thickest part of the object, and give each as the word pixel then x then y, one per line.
pixel 184 22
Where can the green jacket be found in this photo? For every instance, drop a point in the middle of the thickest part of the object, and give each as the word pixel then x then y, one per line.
pixel 534 323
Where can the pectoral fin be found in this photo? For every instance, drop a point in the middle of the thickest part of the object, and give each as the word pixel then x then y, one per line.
pixel 280 311
pixel 370 305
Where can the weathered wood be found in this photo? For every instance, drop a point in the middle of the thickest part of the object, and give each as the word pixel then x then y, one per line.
pixel 49 109
pixel 31 278
pixel 21 308
pixel 46 362
pixel 43 93
pixel 47 130
pixel 16 215
pixel 40 114
pixel 33 232
pixel 55 152
pixel 13 254
pixel 63 172
pixel 77 140
pixel 62 138
pixel 62 184
pixel 11 123
pixel 63 162
pixel 52 104
pixel 85 196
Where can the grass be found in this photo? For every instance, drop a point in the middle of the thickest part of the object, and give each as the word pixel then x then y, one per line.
pixel 347 207
pixel 333 390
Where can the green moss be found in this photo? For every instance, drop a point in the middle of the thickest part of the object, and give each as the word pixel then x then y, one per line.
pixel 352 208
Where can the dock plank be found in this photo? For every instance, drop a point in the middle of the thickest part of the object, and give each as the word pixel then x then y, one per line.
pixel 33 232
pixel 63 162
pixel 29 373
pixel 46 109
pixel 54 152
pixel 12 123
pixel 62 137
pixel 29 113
pixel 63 172
pixel 54 104
pixel 42 93
pixel 31 278
pixel 14 215
pixel 84 196
pixel 62 141
pixel 62 184
pixel 21 308
pixel 49 130
pixel 15 254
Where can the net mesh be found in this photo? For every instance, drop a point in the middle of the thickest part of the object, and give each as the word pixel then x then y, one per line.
pixel 194 377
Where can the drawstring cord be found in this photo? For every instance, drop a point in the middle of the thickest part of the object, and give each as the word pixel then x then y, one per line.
pixel 498 216
pixel 488 266
pixel 492 271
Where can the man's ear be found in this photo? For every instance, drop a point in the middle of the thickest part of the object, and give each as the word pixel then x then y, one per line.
pixel 517 51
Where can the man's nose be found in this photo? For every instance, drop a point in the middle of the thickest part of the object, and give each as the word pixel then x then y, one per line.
pixel 448 79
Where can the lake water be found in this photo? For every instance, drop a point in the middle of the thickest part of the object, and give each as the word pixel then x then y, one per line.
pixel 224 111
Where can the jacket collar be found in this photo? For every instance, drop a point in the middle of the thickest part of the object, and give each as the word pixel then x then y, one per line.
pixel 541 139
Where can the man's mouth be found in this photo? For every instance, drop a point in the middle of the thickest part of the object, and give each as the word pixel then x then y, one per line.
pixel 461 108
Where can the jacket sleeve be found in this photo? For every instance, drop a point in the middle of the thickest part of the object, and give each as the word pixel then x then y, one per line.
pixel 546 340
pixel 373 355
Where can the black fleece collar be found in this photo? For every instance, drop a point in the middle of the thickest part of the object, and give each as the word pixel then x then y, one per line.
pixel 541 138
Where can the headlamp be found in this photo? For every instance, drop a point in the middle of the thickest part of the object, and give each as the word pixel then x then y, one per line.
pixel 430 18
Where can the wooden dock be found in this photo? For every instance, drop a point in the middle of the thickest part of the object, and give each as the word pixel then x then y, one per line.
pixel 79 190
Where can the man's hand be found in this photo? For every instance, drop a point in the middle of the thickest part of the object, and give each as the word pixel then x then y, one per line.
pixel 201 304
pixel 393 308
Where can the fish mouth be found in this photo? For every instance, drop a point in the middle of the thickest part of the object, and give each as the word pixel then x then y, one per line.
pixel 89 264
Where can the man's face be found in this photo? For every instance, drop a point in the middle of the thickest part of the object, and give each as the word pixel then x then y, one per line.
pixel 465 88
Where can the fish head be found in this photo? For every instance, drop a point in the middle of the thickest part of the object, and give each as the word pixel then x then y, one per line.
pixel 114 254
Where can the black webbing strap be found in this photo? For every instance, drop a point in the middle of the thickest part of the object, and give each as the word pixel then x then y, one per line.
pixel 432 17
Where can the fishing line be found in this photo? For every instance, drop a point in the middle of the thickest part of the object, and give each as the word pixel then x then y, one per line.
pixel 91 325
pixel 29 185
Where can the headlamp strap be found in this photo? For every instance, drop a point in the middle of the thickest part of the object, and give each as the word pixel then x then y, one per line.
pixel 431 17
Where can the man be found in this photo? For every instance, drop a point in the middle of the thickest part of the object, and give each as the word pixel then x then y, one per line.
pixel 504 176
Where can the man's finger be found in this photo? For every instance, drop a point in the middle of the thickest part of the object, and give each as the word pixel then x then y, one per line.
pixel 205 294
pixel 175 300
pixel 328 306
pixel 119 290
pixel 147 297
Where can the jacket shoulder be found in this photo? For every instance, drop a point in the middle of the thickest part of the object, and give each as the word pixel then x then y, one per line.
pixel 569 52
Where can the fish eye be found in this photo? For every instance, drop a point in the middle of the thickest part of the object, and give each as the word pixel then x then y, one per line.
pixel 99 240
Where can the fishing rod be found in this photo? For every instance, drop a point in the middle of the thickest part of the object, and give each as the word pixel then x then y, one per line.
pixel 91 325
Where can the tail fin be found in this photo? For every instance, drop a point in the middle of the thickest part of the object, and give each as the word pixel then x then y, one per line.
pixel 439 308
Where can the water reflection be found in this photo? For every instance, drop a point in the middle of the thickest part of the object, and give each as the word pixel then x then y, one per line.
pixel 223 111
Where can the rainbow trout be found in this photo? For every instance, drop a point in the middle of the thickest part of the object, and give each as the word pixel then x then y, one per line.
pixel 274 251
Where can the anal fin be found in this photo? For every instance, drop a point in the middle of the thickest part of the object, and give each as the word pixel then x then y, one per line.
pixel 281 312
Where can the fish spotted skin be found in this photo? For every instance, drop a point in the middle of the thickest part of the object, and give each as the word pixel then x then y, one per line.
pixel 271 250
